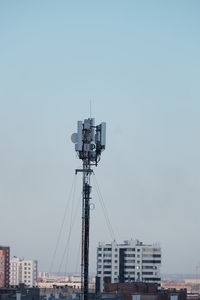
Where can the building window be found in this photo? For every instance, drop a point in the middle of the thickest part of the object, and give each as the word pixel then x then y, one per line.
pixel 107 260
pixel 147 255
pixel 107 272
pixel 151 261
pixel 149 267
pixel 107 266
pixel 138 267
pixel 129 255
pixel 151 279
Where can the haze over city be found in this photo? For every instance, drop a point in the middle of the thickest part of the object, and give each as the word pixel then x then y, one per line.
pixel 137 63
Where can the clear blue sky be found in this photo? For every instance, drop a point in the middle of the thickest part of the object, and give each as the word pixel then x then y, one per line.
pixel 139 63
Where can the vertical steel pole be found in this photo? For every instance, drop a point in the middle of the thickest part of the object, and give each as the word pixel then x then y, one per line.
pixel 85 230
pixel 89 143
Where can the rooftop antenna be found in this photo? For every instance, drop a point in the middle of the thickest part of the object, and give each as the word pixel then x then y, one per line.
pixel 90 141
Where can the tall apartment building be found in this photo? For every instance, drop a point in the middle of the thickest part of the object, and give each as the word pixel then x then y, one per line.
pixel 23 271
pixel 128 262
pixel 4 266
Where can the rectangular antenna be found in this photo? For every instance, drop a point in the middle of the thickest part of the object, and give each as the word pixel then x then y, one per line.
pixel 80 136
pixel 103 134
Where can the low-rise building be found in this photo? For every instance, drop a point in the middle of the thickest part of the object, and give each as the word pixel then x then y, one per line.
pixel 141 291
pixel 23 271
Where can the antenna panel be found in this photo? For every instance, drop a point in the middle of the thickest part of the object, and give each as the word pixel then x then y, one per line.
pixel 103 134
pixel 87 124
pixel 80 136
pixel 92 130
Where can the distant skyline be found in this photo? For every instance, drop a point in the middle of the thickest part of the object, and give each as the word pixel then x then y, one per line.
pixel 139 64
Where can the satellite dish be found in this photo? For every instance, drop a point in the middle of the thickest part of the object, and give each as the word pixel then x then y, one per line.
pixel 74 138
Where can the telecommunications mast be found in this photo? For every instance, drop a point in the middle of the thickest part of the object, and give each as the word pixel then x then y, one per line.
pixel 90 141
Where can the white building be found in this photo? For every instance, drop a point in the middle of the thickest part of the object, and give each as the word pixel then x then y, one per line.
pixel 23 271
pixel 128 262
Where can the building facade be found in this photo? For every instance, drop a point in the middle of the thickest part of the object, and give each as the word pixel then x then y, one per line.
pixel 4 266
pixel 23 271
pixel 128 262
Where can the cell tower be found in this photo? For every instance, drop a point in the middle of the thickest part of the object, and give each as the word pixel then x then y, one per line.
pixel 90 141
